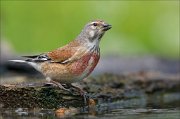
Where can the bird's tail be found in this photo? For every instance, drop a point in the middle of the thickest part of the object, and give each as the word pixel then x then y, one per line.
pixel 20 61
pixel 33 64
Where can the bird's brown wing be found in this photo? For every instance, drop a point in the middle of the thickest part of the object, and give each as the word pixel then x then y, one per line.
pixel 68 53
pixel 61 54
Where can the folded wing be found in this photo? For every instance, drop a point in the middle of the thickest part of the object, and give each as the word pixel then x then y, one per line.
pixel 69 53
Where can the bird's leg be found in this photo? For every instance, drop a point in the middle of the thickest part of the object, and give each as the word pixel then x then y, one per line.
pixel 81 91
pixel 57 84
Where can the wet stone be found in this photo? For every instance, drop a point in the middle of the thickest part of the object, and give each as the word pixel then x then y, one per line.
pixel 105 88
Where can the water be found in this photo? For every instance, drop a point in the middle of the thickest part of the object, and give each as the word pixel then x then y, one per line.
pixel 139 113
pixel 119 109
pixel 143 113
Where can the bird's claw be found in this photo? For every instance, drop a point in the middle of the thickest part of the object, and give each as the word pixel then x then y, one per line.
pixel 85 96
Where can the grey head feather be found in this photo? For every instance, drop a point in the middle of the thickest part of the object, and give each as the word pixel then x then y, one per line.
pixel 93 31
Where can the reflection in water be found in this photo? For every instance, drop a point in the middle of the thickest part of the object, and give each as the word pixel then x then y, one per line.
pixel 156 106
pixel 116 114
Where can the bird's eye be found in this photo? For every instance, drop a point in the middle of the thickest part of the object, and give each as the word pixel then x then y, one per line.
pixel 95 24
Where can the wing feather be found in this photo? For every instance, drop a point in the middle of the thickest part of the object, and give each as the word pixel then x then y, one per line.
pixel 69 53
pixel 37 58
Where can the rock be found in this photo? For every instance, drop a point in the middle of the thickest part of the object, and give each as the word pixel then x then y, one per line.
pixel 103 88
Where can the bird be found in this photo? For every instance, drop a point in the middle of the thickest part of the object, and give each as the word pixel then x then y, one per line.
pixel 73 62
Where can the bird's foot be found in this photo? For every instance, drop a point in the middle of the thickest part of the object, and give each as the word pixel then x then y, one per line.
pixel 57 84
pixel 82 93
pixel 48 84
pixel 65 89
pixel 85 96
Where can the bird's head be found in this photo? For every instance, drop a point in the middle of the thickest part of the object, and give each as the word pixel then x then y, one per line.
pixel 94 30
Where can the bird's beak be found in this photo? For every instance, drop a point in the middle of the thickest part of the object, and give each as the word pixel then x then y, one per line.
pixel 106 27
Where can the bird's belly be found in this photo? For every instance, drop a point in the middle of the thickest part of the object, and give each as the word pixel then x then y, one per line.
pixel 57 72
pixel 73 72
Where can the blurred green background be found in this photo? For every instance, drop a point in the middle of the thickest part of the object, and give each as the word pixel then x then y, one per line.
pixel 139 27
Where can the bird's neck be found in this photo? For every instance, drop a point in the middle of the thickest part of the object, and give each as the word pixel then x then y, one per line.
pixel 88 41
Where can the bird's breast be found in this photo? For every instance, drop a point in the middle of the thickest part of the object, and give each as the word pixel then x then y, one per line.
pixel 85 65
